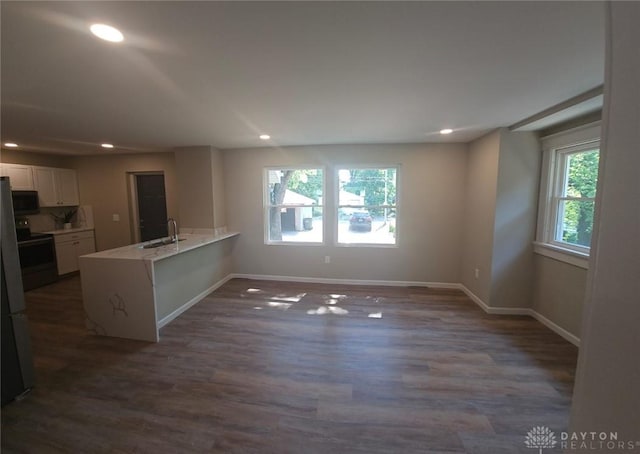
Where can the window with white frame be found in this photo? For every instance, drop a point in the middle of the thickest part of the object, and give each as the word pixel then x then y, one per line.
pixel 574 196
pixel 293 205
pixel 572 176
pixel 366 209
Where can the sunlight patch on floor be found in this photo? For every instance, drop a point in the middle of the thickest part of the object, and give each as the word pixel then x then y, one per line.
pixel 324 310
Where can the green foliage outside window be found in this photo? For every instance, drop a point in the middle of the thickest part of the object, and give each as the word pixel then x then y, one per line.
pixel 581 181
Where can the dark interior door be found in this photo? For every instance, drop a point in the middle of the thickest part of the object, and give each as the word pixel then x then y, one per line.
pixel 152 206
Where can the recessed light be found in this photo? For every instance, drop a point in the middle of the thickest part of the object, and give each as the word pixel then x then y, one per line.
pixel 107 32
pixel 446 131
pixel 265 136
pixel 11 145
pixel 106 145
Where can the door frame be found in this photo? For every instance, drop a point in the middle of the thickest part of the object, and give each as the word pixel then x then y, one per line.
pixel 133 201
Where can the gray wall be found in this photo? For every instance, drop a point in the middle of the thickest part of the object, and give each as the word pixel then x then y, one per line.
pixel 480 207
pixel 195 187
pixel 515 219
pixel 200 177
pixel 607 391
pixel 429 225
pixel 102 182
pixel 502 180
pixel 558 292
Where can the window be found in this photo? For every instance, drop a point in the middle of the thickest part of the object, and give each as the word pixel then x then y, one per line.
pixel 293 205
pixel 574 196
pixel 568 193
pixel 367 211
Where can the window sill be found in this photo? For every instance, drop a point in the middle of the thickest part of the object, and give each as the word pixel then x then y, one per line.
pixel 561 254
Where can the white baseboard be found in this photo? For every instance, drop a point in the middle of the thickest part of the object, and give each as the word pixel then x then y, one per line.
pixel 322 280
pixel 485 307
pixel 173 315
pixel 575 340
pixel 522 311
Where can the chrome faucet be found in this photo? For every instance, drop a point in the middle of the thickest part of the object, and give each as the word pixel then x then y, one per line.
pixel 174 236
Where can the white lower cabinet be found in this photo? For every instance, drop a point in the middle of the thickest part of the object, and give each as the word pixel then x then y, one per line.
pixel 70 246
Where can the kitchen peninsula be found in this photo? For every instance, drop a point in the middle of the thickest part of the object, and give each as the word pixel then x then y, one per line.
pixel 133 291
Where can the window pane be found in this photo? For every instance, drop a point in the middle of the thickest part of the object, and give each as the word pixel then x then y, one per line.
pixel 582 174
pixel 360 225
pixel 576 222
pixel 366 211
pixel 294 205
pixel 367 186
pixel 297 224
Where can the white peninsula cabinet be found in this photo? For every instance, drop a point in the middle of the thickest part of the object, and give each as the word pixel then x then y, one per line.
pixel 70 246
pixel 20 176
pixel 56 187
pixel 133 291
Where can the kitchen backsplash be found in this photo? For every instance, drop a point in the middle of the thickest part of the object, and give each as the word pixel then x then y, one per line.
pixel 45 222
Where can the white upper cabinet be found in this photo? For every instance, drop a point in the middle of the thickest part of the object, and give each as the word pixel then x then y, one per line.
pixel 56 187
pixel 20 176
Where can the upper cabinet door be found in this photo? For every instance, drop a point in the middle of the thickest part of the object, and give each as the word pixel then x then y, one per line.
pixel 56 187
pixel 45 184
pixel 67 183
pixel 20 176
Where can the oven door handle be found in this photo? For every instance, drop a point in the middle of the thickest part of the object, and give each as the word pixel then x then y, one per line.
pixel 36 241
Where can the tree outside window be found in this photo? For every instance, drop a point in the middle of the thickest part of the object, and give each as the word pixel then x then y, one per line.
pixel 577 180
pixel 294 205
pixel 367 210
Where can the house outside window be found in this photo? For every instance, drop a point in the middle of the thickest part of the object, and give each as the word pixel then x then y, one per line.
pixel 568 193
pixel 294 205
pixel 367 206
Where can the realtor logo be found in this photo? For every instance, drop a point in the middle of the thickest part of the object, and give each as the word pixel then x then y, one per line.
pixel 540 438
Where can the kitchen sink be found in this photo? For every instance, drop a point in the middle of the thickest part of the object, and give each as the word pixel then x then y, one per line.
pixel 160 243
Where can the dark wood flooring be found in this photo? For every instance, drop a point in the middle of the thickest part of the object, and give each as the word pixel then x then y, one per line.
pixel 273 367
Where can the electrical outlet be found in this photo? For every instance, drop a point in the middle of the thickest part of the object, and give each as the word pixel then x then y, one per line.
pixel 116 217
pixel 327 259
pixel 477 273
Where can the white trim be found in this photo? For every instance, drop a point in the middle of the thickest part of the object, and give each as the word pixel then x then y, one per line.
pixel 575 340
pixel 561 254
pixel 522 311
pixel 196 299
pixel 494 310
pixel 580 134
pixel 322 280
pixel 486 308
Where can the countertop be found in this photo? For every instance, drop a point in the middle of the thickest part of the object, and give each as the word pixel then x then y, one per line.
pixel 72 230
pixel 137 252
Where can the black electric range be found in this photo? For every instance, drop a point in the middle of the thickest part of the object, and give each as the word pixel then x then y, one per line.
pixel 37 253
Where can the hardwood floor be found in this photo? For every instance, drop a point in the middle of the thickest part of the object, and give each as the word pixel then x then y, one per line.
pixel 272 367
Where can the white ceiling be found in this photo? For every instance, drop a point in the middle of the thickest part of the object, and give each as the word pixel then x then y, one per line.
pixel 221 73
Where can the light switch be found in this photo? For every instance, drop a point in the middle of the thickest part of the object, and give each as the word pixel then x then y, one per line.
pixel 116 218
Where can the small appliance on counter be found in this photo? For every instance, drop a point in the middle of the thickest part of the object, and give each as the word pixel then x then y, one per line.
pixel 17 361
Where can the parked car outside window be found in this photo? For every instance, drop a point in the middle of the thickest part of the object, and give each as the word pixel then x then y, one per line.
pixel 360 220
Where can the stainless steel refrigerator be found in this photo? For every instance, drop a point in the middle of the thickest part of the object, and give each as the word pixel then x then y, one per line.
pixel 17 373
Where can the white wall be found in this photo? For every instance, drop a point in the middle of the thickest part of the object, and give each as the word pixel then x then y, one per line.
pixel 429 225
pixel 607 391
